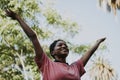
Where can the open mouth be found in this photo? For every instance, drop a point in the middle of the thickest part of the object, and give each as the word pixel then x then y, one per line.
pixel 65 50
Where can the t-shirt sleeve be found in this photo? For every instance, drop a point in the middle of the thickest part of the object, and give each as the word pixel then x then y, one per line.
pixel 41 62
pixel 80 67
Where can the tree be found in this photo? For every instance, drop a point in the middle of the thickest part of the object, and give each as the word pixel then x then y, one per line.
pixel 111 5
pixel 16 50
pixel 101 70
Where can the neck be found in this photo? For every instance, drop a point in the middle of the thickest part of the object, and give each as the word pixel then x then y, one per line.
pixel 62 60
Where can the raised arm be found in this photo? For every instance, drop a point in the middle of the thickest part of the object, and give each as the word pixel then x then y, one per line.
pixel 29 32
pixel 90 52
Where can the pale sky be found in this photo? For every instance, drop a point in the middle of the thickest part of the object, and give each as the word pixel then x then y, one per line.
pixel 96 23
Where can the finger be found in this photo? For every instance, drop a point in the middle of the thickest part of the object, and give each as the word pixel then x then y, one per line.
pixel 10 11
pixel 7 12
pixel 104 38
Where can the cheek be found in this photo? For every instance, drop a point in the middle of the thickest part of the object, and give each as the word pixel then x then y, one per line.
pixel 57 49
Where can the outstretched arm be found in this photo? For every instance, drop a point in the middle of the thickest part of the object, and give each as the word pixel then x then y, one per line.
pixel 90 52
pixel 29 32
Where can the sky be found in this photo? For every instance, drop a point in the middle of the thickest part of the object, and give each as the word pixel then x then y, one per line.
pixel 95 23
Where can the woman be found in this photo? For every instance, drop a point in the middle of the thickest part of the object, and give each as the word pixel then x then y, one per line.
pixel 58 69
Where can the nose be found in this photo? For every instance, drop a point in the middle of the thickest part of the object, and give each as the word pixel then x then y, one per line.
pixel 63 46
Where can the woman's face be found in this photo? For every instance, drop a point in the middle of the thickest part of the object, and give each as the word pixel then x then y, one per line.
pixel 61 49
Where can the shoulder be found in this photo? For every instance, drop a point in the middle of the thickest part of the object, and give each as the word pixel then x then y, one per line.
pixel 42 61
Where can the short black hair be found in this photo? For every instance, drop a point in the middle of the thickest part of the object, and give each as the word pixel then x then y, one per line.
pixel 52 46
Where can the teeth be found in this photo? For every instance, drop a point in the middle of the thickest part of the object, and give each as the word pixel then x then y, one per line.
pixel 64 50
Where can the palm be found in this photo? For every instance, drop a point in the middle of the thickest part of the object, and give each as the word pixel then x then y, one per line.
pixel 111 5
pixel 101 70
pixel 101 40
pixel 10 13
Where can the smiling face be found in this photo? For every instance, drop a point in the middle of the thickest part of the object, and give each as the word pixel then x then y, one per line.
pixel 60 49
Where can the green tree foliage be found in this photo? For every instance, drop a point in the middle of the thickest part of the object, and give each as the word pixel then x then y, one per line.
pixel 16 50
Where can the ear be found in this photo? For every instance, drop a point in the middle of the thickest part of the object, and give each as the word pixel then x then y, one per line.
pixel 52 54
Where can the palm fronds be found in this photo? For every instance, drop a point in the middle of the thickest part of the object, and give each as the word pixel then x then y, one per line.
pixel 111 5
pixel 102 70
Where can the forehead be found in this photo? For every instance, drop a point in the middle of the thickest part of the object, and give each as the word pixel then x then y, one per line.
pixel 60 42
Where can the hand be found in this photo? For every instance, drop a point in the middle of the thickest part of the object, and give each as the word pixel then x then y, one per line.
pixel 10 13
pixel 101 40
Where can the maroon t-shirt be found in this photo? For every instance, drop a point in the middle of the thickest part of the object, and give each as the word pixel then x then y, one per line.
pixel 59 71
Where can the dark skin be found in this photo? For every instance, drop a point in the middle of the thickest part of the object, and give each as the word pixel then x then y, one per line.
pixel 90 52
pixel 29 32
pixel 60 51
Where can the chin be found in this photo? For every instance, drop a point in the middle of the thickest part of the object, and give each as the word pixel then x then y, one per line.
pixel 63 55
